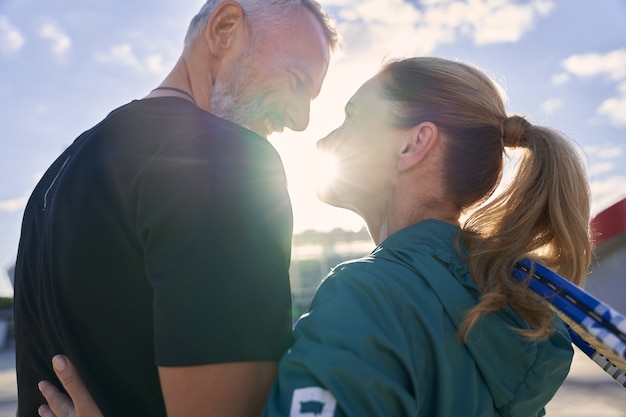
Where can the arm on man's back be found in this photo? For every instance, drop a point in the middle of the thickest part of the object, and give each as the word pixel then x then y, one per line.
pixel 80 403
pixel 237 389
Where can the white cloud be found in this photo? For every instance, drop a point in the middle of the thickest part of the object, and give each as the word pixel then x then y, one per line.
pixel 371 11
pixel 612 64
pixel 543 7
pixel 606 192
pixel 11 39
pixel 154 64
pixel 615 107
pixel 6 287
pixel 123 55
pixel 498 21
pixel 367 29
pixel 600 168
pixel 13 205
pixel 485 21
pixel 604 151
pixel 399 28
pixel 120 55
pixel 604 159
pixel 549 106
pixel 505 24
pixel 561 78
pixel 61 43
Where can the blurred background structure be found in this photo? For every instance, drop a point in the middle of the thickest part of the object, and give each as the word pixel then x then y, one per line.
pixel 587 391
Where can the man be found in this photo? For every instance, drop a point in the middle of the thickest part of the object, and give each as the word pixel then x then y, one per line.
pixel 155 250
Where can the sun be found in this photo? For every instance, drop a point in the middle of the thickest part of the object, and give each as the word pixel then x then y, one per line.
pixel 307 172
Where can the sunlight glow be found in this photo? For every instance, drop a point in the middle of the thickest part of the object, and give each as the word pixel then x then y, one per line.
pixel 327 168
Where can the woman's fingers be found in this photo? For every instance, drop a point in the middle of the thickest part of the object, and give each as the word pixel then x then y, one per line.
pixel 79 403
pixel 58 401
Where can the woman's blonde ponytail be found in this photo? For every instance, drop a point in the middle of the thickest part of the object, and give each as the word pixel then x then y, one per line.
pixel 542 214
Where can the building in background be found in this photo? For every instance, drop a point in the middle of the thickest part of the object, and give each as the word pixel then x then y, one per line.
pixel 607 279
pixel 314 253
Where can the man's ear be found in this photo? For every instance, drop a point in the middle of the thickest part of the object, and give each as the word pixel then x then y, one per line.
pixel 226 22
pixel 418 143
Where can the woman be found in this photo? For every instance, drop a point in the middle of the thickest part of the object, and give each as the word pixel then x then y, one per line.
pixel 431 323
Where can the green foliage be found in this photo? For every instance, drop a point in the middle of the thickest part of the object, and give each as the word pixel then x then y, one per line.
pixel 6 303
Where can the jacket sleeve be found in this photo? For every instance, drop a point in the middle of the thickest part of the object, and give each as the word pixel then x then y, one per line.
pixel 350 356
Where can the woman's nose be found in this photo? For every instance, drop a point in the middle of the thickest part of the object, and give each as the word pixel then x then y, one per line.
pixel 324 143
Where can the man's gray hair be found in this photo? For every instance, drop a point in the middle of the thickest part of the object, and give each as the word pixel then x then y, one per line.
pixel 264 15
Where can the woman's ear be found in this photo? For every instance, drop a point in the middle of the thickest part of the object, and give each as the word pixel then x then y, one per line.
pixel 225 23
pixel 417 145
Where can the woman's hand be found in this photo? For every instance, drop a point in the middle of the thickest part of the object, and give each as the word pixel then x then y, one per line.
pixel 78 404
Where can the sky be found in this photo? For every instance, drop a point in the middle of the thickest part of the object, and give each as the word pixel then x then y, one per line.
pixel 65 64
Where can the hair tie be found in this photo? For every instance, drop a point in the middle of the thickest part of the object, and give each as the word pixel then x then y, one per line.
pixel 513 131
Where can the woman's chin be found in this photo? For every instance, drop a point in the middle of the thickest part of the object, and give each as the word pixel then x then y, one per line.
pixel 323 195
pixel 329 196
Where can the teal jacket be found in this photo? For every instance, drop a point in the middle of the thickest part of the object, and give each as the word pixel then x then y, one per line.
pixel 380 339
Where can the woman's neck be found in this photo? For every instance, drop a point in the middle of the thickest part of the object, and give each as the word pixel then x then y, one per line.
pixel 394 220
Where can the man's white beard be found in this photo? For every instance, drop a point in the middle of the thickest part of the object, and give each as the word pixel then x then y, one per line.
pixel 235 98
pixel 236 108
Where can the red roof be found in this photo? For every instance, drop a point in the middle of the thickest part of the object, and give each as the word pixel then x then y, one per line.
pixel 609 223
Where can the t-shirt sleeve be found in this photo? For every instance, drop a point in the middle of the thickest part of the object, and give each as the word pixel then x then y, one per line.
pixel 215 224
pixel 349 359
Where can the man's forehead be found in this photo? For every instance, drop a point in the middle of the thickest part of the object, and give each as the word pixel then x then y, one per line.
pixel 311 73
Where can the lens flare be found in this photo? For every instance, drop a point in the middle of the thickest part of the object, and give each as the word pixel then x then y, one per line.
pixel 327 170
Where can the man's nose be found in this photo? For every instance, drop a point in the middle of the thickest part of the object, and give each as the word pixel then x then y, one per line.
pixel 298 114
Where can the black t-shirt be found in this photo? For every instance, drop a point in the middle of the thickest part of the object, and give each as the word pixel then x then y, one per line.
pixel 160 236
